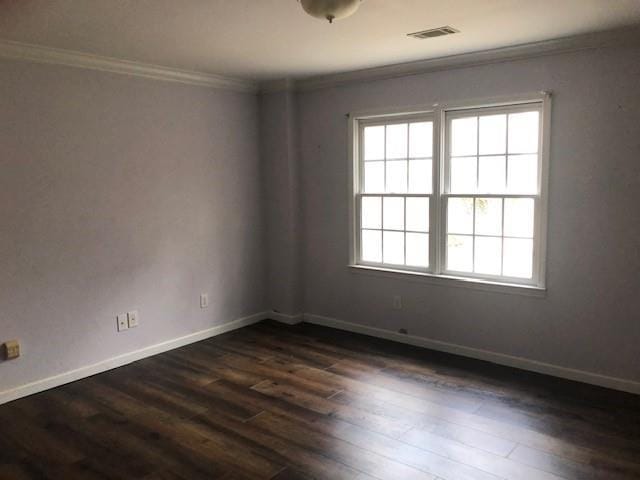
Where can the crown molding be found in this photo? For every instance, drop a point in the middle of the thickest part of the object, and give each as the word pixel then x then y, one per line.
pixel 36 53
pixel 611 38
pixel 277 86
pixel 40 54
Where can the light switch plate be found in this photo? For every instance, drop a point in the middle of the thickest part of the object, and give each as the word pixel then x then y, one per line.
pixel 204 300
pixel 134 319
pixel 123 322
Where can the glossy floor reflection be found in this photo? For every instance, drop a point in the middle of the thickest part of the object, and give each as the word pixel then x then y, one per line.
pixel 280 402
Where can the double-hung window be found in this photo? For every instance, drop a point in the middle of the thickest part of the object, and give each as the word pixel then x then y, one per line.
pixel 395 192
pixel 456 192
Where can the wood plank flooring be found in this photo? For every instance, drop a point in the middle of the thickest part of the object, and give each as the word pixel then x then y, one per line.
pixel 296 403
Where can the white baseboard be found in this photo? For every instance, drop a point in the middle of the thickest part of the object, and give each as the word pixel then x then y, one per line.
pixel 111 363
pixel 498 358
pixel 286 318
pixel 621 384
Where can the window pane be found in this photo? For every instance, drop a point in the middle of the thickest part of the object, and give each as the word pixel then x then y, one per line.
pixel 460 215
pixel 420 176
pixel 371 212
pixel 523 174
pixel 418 214
pixel 371 246
pixel 523 132
pixel 394 213
pixel 464 175
pixel 397 141
pixel 518 258
pixel 421 140
pixel 518 217
pixel 488 216
pixel 493 134
pixel 374 143
pixel 397 176
pixel 418 249
pixel 374 177
pixel 464 136
pixel 491 154
pixel 493 174
pixel 459 253
pixel 488 256
pixel 393 248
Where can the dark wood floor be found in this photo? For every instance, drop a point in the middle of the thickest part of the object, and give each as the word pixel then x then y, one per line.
pixel 288 403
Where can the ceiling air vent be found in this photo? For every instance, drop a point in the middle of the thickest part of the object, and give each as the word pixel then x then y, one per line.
pixel 434 32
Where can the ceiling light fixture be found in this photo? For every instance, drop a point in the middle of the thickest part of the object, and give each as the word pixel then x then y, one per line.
pixel 330 9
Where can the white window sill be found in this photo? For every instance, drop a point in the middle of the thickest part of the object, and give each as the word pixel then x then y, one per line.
pixel 450 281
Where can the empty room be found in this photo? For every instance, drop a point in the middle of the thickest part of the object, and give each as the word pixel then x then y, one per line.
pixel 319 239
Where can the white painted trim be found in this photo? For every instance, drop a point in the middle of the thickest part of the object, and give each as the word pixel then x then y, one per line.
pixel 497 358
pixel 70 58
pixel 615 383
pixel 42 54
pixel 449 281
pixel 115 362
pixel 357 121
pixel 286 318
pixel 502 104
pixel 618 37
pixel 441 114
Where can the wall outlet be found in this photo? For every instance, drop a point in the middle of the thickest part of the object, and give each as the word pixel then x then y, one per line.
pixel 11 349
pixel 204 300
pixel 397 302
pixel 122 322
pixel 133 319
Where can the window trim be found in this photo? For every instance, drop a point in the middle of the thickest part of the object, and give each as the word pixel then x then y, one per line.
pixel 438 114
pixel 385 120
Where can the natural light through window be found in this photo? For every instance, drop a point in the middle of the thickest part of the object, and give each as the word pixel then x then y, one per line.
pixel 454 192
pixel 394 205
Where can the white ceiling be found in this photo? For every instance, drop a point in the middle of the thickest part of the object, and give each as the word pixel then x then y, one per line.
pixel 269 39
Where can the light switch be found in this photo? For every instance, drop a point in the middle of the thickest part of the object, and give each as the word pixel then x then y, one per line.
pixel 134 319
pixel 123 322
pixel 204 300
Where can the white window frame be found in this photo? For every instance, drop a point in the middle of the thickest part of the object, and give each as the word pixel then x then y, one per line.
pixel 390 120
pixel 436 273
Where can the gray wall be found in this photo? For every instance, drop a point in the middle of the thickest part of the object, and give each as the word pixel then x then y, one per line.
pixel 280 173
pixel 590 318
pixel 120 193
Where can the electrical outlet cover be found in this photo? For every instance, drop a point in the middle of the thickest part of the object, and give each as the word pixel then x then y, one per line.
pixel 134 319
pixel 122 322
